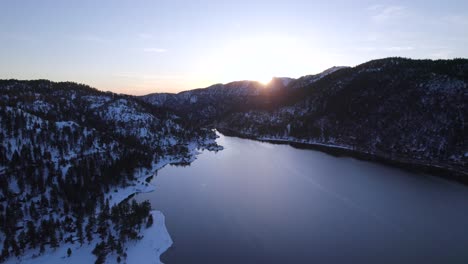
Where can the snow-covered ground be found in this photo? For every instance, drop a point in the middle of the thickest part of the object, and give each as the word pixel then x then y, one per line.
pixel 156 239
pixel 303 141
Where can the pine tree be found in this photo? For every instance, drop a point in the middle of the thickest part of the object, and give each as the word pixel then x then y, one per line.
pixel 149 223
pixel 79 229
pixel 5 250
pixel 31 234
pixel 22 239
pixel 15 247
pixel 53 239
pixel 111 242
pixel 100 252
pixel 89 228
pixel 33 212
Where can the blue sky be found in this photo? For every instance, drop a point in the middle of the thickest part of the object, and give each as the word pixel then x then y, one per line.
pixel 140 46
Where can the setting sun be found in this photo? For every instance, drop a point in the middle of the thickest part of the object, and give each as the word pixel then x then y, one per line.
pixel 264 81
pixel 257 58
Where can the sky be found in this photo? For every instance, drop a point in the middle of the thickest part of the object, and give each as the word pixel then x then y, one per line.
pixel 145 46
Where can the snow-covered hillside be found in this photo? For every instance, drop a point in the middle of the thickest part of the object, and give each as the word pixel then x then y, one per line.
pixel 70 156
pixel 412 111
pixel 216 101
pixel 397 109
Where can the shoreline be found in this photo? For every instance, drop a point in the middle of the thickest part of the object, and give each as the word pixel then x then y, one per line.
pixel 448 173
pixel 156 239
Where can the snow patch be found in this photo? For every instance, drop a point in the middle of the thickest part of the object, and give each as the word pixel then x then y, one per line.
pixel 155 241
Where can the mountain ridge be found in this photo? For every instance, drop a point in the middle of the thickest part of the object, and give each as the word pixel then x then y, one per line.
pixel 394 108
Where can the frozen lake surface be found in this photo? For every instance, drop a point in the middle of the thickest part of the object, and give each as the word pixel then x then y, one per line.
pixel 256 202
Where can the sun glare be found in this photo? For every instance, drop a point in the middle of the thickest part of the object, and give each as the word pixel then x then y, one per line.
pixel 257 58
pixel 264 81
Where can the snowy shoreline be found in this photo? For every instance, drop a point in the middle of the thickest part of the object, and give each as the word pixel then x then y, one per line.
pixel 155 239
pixel 441 170
pixel 412 164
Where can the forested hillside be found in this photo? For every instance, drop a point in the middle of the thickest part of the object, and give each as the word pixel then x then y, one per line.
pixel 402 110
pixel 66 148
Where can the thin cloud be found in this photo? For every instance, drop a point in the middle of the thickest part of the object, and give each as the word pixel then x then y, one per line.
pixel 386 13
pixel 399 48
pixel 145 35
pixel 155 50
pixel 441 54
pixel 457 20
pixel 91 38
pixel 380 49
pixel 17 36
pixel 139 76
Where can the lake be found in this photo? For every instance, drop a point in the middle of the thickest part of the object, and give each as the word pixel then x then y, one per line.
pixel 256 202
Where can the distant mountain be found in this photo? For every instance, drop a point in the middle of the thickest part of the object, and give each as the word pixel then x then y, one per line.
pixel 395 109
pixel 64 147
pixel 310 79
pixel 208 104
